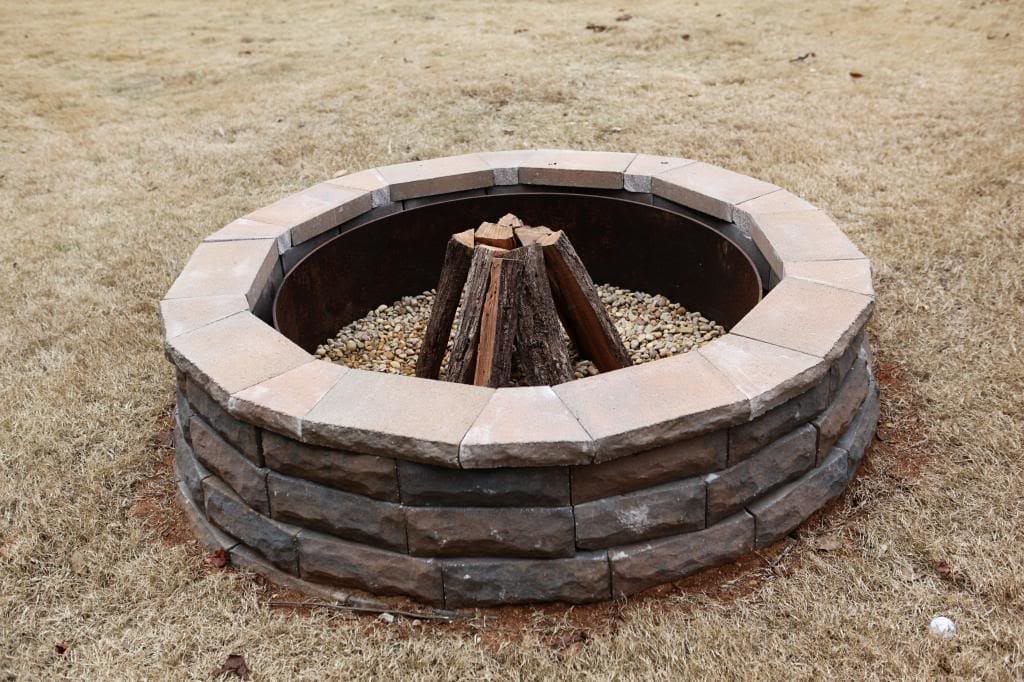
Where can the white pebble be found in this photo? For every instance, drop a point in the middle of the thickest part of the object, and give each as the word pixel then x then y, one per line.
pixel 942 627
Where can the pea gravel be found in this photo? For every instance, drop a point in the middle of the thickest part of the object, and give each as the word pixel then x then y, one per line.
pixel 388 338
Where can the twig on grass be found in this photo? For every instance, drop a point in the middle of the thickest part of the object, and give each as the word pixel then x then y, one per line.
pixel 448 617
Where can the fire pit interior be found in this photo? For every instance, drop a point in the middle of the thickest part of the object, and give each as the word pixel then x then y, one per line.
pixel 349 483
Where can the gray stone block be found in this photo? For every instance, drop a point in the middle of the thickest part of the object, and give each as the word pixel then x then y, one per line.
pixel 485 531
pixel 272 539
pixel 837 416
pixel 245 437
pixel 746 439
pixel 655 512
pixel 187 469
pixel 489 582
pixel 368 475
pixel 426 485
pixel 639 566
pixel 859 434
pixel 182 413
pixel 354 517
pixel 841 367
pixel 209 536
pixel 771 466
pixel 220 457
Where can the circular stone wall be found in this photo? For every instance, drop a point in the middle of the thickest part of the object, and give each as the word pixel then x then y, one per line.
pixel 323 476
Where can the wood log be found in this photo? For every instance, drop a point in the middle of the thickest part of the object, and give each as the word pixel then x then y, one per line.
pixel 494 234
pixel 498 324
pixel 531 235
pixel 510 220
pixel 586 318
pixel 462 359
pixel 540 348
pixel 457 257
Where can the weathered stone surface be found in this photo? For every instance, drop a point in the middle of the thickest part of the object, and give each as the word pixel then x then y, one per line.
pixel 345 515
pixel 859 434
pixel 797 236
pixel 182 413
pixel 636 567
pixel 369 181
pixel 209 536
pixel 272 539
pixel 570 168
pixel 852 275
pixel 773 465
pixel 508 432
pixel 226 268
pixel 220 457
pixel 837 416
pixel 246 228
pixel 426 485
pixel 708 188
pixel 686 458
pixel 837 371
pixel 181 315
pixel 490 582
pixel 779 201
pixel 643 167
pixel 488 531
pixel 281 402
pixel 748 438
pixel 315 210
pixel 663 510
pixel 437 176
pixel 327 559
pixel 245 437
pixel 505 164
pixel 782 511
pixel 187 469
pixel 368 475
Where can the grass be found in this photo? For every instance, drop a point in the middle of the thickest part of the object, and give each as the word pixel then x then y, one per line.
pixel 130 130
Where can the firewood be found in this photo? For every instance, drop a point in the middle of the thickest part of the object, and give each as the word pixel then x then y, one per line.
pixel 540 349
pixel 462 359
pixel 585 316
pixel 510 220
pixel 495 234
pixel 457 257
pixel 498 324
pixel 531 235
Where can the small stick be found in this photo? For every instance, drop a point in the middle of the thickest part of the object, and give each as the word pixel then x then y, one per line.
pixel 462 360
pixel 457 257
pixel 367 609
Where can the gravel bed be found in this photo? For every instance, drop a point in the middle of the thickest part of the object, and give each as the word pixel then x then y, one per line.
pixel 388 338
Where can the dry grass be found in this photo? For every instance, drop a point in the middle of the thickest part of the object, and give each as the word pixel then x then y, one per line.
pixel 129 130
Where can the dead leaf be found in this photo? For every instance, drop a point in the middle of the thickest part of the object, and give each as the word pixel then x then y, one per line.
pixel 829 543
pixel 234 665
pixel 61 648
pixel 856 74
pixel 218 559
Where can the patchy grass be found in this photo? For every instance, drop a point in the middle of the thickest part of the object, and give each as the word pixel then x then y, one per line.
pixel 129 130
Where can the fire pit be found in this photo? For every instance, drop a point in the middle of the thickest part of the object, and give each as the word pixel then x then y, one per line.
pixel 322 476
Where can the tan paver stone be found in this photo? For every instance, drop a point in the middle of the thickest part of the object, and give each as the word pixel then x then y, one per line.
pixel 226 268
pixel 808 317
pixel 181 315
pixel 525 426
pixel 232 354
pixel 280 403
pixel 708 188
pixel 769 375
pixel 646 406
pixel 638 174
pixel 244 228
pixel 852 275
pixel 779 201
pixel 565 168
pixel 397 416
pixel 315 210
pixel 437 176
pixel 369 180
pixel 801 236
pixel 506 164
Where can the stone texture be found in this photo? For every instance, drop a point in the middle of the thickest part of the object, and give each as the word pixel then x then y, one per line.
pixel 368 475
pixel 388 414
pixel 747 438
pixel 274 540
pixel 281 402
pixel 244 477
pixel 327 559
pixel 426 485
pixel 782 511
pixel 245 228
pixel 671 462
pixel 239 268
pixel 647 406
pixel 779 201
pixel 566 168
pixel 851 275
pixel 483 531
pixel 209 536
pixel 768 468
pixel 437 176
pixel 837 416
pixel 506 164
pixel 636 567
pixel 708 188
pixel 767 374
pixel 861 431
pixel 841 365
pixel 525 426
pixel 181 315
pixel 182 413
pixel 643 167
pixel 807 317
pixel 315 210
pixel 187 468
pixel 245 437
pixel 490 582
pixel 655 512
pixel 232 354
pixel 345 515
pixel 796 236
pixel 291 257
pixel 368 181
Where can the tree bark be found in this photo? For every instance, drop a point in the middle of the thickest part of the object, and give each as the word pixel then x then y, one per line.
pixel 540 349
pixel 462 360
pixel 457 257
pixel 498 324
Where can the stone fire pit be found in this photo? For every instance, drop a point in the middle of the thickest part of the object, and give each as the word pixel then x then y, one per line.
pixel 321 476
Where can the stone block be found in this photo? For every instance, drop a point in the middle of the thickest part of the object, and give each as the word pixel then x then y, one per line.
pixel 780 512
pixel 786 238
pixel 315 210
pixel 506 165
pixel 291 257
pixel 837 371
pixel 368 181
pixel 708 189
pixel 280 403
pixel 182 413
pixel 426 485
pixel 748 438
pixel 777 463
pixel 327 559
pixel 837 416
pixel 643 167
pixel 490 582
pixel 181 315
pixel 690 457
pixel 239 268
pixel 575 168
pixel 437 176
pixel 220 457
pixel 489 531
pixel 274 540
pixel 187 468
pixel 851 275
pixel 345 515
pixel 858 436
pixel 245 437
pixel 245 228
pixel 643 565
pixel 779 201
pixel 655 512
pixel 368 475
pixel 209 536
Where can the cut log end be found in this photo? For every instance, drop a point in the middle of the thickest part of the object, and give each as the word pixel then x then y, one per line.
pixel 494 234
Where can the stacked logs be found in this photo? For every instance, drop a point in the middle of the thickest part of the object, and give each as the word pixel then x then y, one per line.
pixel 518 286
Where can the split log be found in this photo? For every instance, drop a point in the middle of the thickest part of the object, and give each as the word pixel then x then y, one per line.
pixel 462 360
pixel 586 318
pixel 498 324
pixel 495 234
pixel 540 349
pixel 457 257
pixel 531 235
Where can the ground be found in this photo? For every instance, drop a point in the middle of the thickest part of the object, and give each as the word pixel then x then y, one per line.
pixel 130 130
